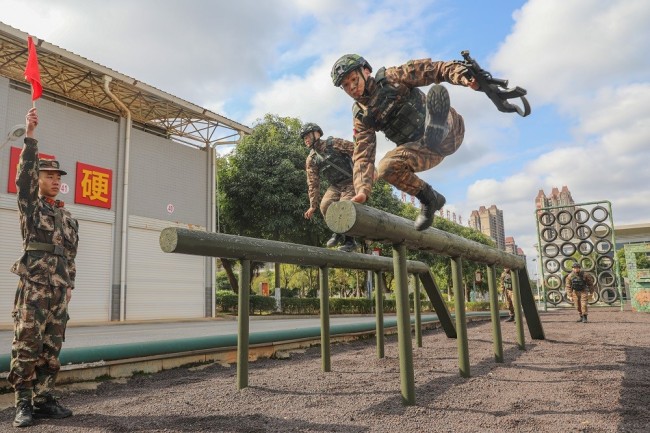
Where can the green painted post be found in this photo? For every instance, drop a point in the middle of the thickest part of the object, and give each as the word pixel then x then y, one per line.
pixel 379 314
pixel 326 361
pixel 243 323
pixel 407 378
pixel 527 301
pixel 438 303
pixel 617 269
pixel 494 314
pixel 461 323
pixel 516 300
pixel 418 311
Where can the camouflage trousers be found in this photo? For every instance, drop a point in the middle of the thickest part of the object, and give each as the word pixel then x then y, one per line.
pixel 398 166
pixel 336 193
pixel 580 300
pixel 511 306
pixel 40 317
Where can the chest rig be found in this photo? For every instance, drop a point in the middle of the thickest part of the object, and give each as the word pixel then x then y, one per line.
pixel 578 283
pixel 400 116
pixel 333 165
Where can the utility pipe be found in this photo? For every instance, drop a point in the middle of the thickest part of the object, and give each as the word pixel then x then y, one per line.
pixel 125 195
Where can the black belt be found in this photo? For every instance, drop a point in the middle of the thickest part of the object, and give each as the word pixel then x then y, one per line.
pixel 42 246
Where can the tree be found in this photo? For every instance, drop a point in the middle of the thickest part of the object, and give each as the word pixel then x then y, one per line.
pixel 263 186
pixel 263 189
pixel 642 261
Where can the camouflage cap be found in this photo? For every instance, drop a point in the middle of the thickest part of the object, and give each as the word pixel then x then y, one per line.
pixel 576 265
pixel 50 165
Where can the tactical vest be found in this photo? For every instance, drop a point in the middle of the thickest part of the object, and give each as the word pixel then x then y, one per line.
pixel 578 283
pixel 333 165
pixel 400 118
pixel 507 282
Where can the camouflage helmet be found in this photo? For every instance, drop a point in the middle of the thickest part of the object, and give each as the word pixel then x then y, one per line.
pixel 346 64
pixel 310 127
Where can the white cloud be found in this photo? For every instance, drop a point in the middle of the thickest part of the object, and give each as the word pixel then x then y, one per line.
pixel 584 57
pixel 583 60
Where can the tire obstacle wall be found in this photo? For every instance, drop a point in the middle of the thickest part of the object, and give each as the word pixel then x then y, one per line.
pixel 583 233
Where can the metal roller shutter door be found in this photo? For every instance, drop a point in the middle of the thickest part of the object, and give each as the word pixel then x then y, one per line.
pixel 161 285
pixel 12 246
pixel 91 298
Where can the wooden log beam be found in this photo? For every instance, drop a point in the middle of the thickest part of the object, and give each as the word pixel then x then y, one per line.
pixel 354 219
pixel 201 243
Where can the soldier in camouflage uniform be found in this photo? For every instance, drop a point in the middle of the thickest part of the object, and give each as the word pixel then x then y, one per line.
pixel 47 273
pixel 425 127
pixel 579 285
pixel 332 159
pixel 506 288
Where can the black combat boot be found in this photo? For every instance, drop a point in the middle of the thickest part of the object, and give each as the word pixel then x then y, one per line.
pixel 584 319
pixel 24 411
pixel 510 319
pixel 348 245
pixel 50 408
pixel 438 105
pixel 430 202
pixel 580 320
pixel 335 240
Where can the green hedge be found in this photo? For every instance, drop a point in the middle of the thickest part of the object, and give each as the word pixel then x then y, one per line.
pixel 227 303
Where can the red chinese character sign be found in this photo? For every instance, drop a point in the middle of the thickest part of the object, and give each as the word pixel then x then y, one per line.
pixel 94 185
pixel 14 160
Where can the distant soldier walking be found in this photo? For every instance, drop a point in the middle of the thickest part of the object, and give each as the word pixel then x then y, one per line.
pixel 332 159
pixel 506 288
pixel 47 274
pixel 579 285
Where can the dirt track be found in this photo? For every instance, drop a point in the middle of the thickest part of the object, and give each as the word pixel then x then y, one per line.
pixel 592 377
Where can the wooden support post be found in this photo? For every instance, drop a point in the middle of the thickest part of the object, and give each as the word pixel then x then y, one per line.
pixel 417 307
pixel 379 314
pixel 494 314
pixel 407 377
pixel 243 323
pixel 461 321
pixel 516 300
pixel 325 319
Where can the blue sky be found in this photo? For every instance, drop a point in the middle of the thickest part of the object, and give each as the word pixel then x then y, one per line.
pixel 583 62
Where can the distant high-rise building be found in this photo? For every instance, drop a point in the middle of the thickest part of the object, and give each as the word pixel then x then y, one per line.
pixel 489 221
pixel 561 198
pixel 512 248
pixel 556 198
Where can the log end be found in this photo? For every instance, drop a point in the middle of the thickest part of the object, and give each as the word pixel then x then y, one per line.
pixel 169 239
pixel 341 216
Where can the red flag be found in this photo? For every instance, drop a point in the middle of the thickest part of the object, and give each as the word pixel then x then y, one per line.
pixel 32 72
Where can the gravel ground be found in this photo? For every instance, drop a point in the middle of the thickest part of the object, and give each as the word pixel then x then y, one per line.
pixel 592 377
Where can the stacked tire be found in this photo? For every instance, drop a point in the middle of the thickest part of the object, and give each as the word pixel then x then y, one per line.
pixel 573 234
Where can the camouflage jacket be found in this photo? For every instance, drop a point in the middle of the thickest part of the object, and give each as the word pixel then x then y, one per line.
pixel 415 73
pixel 313 172
pixel 38 222
pixel 506 281
pixel 589 280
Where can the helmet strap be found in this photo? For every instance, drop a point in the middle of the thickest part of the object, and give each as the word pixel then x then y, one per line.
pixel 365 81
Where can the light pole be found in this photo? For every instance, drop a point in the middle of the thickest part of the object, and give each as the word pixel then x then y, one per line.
pixel 14 133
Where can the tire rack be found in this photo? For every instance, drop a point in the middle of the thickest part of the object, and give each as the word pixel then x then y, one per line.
pixel 582 232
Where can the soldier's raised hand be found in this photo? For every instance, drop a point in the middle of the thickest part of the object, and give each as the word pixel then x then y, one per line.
pixel 31 120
